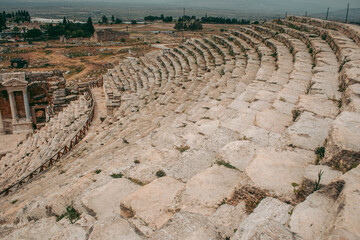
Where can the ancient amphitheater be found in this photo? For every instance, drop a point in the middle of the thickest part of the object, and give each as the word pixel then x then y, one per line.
pixel 253 134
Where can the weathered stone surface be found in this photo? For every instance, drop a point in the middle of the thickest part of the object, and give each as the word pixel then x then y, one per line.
pixel 227 218
pixel 346 131
pixel 275 170
pixel 309 219
pixel 187 226
pixel 244 120
pixel 71 232
pixel 189 164
pixel 151 201
pixel 205 191
pixel 207 127
pixel 266 222
pixel 47 228
pixel 238 154
pixel 273 121
pixel 308 132
pixel 113 228
pixel 104 201
pixel 283 107
pixel 320 106
pixel 343 148
pixel 345 221
pixel 329 175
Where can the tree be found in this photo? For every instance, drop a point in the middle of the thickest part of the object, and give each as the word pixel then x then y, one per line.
pixel 33 33
pixel 118 21
pixel 16 30
pixel 89 26
pixel 112 19
pixel 64 21
pixel 104 20
pixel 133 22
pixel 188 24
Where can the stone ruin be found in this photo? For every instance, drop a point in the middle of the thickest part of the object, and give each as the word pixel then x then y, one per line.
pixel 110 35
pixel 28 99
pixel 251 134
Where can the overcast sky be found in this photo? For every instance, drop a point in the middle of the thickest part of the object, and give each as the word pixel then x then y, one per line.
pixel 312 6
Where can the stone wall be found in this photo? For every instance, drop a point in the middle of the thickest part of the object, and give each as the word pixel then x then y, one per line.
pixel 110 35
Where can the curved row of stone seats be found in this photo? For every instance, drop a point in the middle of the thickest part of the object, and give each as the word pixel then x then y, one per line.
pixel 196 56
pixel 218 50
pixel 323 87
pixel 188 129
pixel 252 61
pixel 191 60
pixel 44 143
pixel 350 30
pixel 347 52
pixel 233 49
pixel 215 57
pixel 202 56
pixel 194 85
pixel 268 62
pixel 186 145
pixel 176 67
pixel 326 80
pixel 207 53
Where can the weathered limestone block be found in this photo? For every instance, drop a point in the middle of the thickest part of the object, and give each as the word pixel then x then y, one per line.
pixel 283 107
pixel 310 218
pixel 47 228
pixel 150 202
pixel 273 121
pixel 113 228
pixel 227 218
pixel 346 211
pixel 239 105
pixel 190 163
pixel 328 176
pixel 260 105
pixel 343 148
pixel 308 132
pixel 187 226
pixel 244 120
pixel 266 222
pixel 205 191
pixel 103 202
pixel 320 106
pixel 275 170
pixel 207 127
pixel 71 232
pixel 238 154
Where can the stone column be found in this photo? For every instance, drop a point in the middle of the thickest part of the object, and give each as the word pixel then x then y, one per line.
pixel 12 106
pixel 27 105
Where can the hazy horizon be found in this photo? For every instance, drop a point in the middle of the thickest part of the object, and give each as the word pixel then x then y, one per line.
pixel 137 9
pixel 240 5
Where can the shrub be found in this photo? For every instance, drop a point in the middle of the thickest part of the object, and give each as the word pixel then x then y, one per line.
pixel 160 173
pixel 320 153
pixel 97 171
pixel 136 181
pixel 317 182
pixel 71 213
pixel 225 164
pixel 183 148
pixel 117 175
pixel 296 114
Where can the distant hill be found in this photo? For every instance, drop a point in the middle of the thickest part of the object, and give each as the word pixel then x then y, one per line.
pixel 354 15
